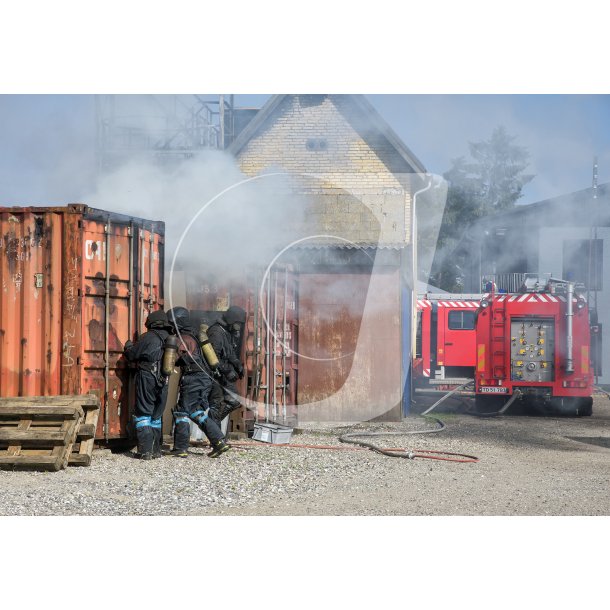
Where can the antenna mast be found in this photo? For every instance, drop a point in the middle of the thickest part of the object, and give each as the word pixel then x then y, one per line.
pixel 593 256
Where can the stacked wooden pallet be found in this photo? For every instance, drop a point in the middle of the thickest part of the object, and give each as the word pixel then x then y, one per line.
pixel 83 447
pixel 47 432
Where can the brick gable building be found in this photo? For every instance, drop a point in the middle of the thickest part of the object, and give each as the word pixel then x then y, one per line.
pixel 355 179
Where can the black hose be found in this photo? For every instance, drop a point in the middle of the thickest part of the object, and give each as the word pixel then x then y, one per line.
pixel 438 402
pixel 349 438
pixel 517 394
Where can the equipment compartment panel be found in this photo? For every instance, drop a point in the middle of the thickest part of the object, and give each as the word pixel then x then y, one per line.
pixel 532 349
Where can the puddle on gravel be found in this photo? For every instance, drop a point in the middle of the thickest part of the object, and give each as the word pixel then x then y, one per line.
pixel 600 441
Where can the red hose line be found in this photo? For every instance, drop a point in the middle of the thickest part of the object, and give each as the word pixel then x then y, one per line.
pixel 417 453
pixel 296 446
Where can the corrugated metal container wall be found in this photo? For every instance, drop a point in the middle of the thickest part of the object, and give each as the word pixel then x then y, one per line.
pixel 350 345
pixel 269 336
pixel 77 282
pixel 329 346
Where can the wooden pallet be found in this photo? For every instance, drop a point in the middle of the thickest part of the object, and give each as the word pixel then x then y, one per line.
pixel 85 436
pixel 39 433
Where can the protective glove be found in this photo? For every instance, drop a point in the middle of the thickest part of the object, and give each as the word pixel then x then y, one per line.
pixel 240 371
pixel 231 376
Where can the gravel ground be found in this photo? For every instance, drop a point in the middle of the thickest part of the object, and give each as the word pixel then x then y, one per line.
pixel 527 466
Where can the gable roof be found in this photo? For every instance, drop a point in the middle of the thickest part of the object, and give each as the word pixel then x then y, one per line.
pixel 358 101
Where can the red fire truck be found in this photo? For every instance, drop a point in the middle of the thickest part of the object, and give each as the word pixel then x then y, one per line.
pixel 535 343
pixel 446 342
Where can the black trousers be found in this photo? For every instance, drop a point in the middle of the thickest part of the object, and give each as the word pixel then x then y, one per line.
pixel 192 405
pixel 221 401
pixel 220 393
pixel 151 395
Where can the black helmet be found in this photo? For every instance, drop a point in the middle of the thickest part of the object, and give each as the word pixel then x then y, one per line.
pixel 179 318
pixel 235 315
pixel 156 319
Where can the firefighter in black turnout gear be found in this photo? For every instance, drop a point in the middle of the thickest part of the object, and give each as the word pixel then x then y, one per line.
pixel 224 336
pixel 151 384
pixel 195 386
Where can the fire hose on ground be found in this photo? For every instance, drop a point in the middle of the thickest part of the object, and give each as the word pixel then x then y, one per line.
pixel 406 453
pixel 415 453
pixel 397 452
pixel 364 446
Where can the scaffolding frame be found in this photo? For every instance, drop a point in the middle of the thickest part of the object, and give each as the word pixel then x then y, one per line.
pixel 169 128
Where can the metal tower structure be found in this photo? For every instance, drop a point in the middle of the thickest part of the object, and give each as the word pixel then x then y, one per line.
pixel 169 128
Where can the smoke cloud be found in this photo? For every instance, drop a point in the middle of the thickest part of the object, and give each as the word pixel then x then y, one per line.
pixel 206 229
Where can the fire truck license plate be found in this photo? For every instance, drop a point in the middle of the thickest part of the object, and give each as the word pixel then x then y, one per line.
pixel 493 390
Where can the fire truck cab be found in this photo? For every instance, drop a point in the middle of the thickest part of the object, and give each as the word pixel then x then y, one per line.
pixel 445 342
pixel 536 342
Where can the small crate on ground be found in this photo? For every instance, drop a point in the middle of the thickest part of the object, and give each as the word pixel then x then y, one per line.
pixel 272 433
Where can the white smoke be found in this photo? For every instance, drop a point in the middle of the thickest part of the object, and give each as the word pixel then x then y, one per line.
pixel 246 225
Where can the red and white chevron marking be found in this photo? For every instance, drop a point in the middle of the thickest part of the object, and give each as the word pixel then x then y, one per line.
pixel 534 298
pixel 463 304
pixel 520 298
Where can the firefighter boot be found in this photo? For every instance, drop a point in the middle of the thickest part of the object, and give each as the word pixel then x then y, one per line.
pixel 157 438
pixel 226 408
pixel 144 436
pixel 220 447
pixel 182 434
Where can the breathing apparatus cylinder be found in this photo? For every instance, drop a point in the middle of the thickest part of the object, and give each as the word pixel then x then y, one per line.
pixel 170 355
pixel 206 347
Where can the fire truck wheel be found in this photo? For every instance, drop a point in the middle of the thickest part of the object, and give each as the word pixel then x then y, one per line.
pixel 586 407
pixel 572 407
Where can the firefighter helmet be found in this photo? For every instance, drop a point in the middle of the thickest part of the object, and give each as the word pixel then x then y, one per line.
pixel 234 315
pixel 179 318
pixel 157 319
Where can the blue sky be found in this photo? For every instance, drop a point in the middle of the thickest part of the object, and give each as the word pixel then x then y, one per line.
pixel 47 141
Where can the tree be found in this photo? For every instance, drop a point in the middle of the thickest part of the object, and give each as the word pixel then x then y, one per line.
pixel 497 171
pixel 491 181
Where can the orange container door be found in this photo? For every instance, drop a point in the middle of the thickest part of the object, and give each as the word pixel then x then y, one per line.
pixel 108 308
pixel 30 304
pixel 149 274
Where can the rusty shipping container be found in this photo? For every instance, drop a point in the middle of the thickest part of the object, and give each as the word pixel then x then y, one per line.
pixel 324 337
pixel 352 316
pixel 77 282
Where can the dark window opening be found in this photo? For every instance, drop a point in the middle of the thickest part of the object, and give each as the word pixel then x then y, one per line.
pixel 582 262
pixel 316 144
pixel 461 320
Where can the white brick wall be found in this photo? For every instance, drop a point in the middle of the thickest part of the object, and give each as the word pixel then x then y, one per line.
pixel 361 189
